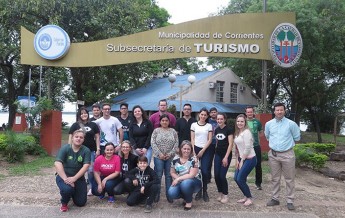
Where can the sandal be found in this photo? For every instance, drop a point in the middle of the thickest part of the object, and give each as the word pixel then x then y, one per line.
pixel 242 200
pixel 248 202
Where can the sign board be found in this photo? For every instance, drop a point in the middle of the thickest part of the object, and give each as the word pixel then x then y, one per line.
pixel 26 102
pixel 235 35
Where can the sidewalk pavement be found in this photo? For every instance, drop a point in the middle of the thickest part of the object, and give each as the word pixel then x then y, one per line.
pixel 9 210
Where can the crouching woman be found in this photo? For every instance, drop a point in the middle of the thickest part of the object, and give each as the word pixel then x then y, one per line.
pixel 72 162
pixel 185 174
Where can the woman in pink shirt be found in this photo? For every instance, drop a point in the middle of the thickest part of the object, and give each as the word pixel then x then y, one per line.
pixel 107 170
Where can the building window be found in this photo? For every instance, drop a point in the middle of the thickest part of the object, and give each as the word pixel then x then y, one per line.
pixel 220 91
pixel 233 92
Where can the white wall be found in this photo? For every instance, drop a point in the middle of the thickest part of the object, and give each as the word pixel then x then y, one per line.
pixel 200 91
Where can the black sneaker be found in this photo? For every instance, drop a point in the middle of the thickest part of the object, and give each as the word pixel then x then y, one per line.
pixel 148 209
pixel 258 187
pixel 205 197
pixel 290 206
pixel 198 195
pixel 272 202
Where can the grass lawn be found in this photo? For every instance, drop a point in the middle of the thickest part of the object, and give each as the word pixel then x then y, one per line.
pixel 326 138
pixel 31 168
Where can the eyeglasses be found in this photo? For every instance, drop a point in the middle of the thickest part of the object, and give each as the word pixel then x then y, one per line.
pixel 106 109
pixel 124 108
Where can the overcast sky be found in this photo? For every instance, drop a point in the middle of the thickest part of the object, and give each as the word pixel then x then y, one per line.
pixel 187 10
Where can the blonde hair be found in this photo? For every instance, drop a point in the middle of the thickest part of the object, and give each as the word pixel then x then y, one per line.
pixel 237 130
pixel 79 131
pixel 130 145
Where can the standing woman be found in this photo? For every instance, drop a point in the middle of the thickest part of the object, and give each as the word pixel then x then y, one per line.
pixel 140 131
pixel 106 172
pixel 72 162
pixel 164 143
pixel 185 174
pixel 224 142
pixel 201 138
pixel 246 159
pixel 128 162
pixel 91 137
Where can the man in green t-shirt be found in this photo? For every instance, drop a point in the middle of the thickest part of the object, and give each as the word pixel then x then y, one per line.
pixel 256 129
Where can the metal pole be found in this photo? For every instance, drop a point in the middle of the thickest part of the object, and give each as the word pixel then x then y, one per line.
pixel 181 101
pixel 29 105
pixel 264 72
pixel 40 81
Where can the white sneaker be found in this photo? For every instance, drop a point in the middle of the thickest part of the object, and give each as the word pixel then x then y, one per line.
pixel 89 193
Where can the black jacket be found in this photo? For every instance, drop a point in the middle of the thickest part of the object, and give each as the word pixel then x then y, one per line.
pixel 146 178
pixel 132 163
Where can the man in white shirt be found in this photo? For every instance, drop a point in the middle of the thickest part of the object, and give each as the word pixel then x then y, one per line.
pixel 109 127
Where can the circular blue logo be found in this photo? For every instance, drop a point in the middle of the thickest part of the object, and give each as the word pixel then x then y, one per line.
pixel 51 42
pixel 44 41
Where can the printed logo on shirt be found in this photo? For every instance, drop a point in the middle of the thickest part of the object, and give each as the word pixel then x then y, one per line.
pixel 125 167
pixel 220 136
pixel 106 166
pixel 80 158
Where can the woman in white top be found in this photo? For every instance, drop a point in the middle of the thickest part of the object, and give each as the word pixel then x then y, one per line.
pixel 246 159
pixel 201 138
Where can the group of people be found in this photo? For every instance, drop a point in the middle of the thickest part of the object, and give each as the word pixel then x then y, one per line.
pixel 116 152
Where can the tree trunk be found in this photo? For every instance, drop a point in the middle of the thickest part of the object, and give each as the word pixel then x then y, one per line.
pixel 316 124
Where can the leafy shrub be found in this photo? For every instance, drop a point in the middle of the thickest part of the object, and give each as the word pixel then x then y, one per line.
pixel 264 156
pixel 308 155
pixel 14 150
pixel 324 148
pixel 31 145
pixel 16 145
pixel 3 142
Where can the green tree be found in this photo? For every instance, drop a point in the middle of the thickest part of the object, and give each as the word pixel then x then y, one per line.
pixel 84 21
pixel 315 86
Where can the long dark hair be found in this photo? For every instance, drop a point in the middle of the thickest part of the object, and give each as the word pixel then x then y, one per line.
pixel 164 116
pixel 142 111
pixel 79 114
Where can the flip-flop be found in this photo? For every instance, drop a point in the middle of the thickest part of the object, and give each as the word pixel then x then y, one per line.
pixel 242 201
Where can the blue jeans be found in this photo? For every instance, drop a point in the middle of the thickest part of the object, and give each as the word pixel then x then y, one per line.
pixel 78 193
pixel 160 167
pixel 90 170
pixel 109 186
pixel 185 189
pixel 205 163
pixel 220 173
pixel 149 155
pixel 242 174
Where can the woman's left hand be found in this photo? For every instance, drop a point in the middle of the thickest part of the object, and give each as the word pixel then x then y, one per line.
pixel 225 162
pixel 103 183
pixel 175 182
pixel 240 164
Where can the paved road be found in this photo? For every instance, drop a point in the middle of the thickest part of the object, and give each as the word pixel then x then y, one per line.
pixel 9 210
